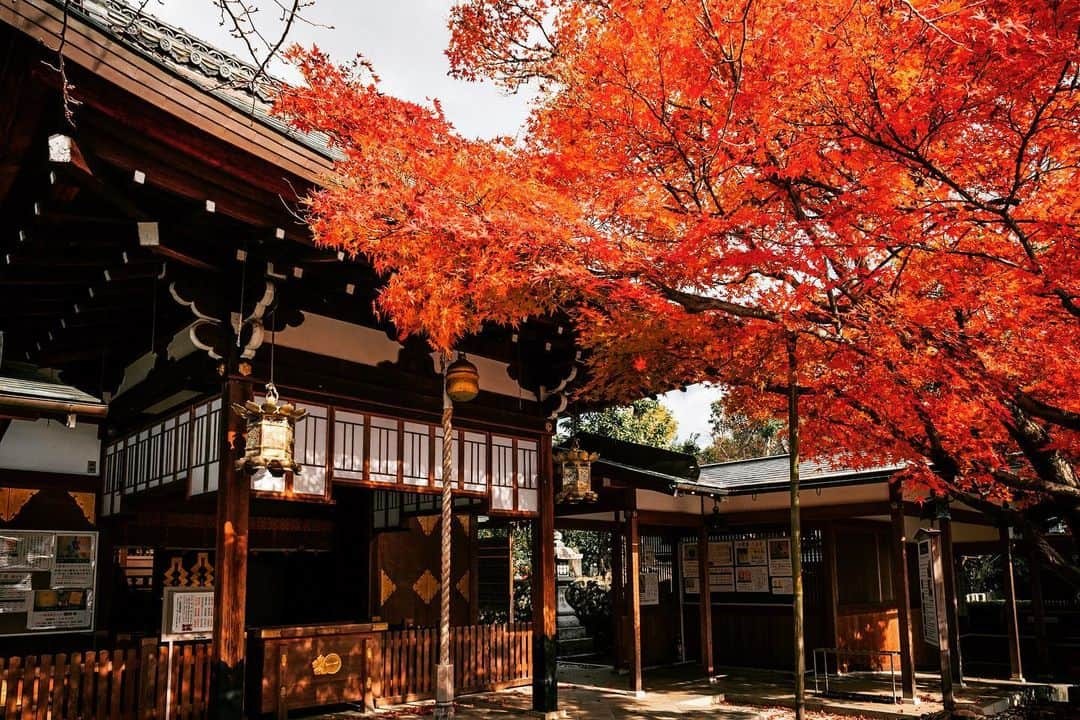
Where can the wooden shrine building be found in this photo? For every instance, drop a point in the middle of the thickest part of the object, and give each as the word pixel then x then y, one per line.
pixel 683 532
pixel 153 274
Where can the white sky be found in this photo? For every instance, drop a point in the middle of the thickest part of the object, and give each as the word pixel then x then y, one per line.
pixel 404 39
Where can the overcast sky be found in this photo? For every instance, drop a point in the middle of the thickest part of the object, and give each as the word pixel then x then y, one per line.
pixel 404 39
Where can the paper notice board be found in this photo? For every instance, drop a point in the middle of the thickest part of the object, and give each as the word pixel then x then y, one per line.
pixel 187 613
pixel 48 580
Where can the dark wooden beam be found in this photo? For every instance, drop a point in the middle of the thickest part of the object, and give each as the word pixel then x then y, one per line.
pixel 902 591
pixel 20 113
pixel 545 671
pixel 1012 624
pixel 704 600
pixel 1038 612
pixel 231 553
pixel 618 600
pixel 832 583
pixel 951 602
pixel 633 592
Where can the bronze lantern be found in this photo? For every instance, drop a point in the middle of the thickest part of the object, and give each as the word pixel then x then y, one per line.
pixel 576 474
pixel 462 380
pixel 269 436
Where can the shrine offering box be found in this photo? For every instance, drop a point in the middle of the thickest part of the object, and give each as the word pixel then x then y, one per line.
pixel 310 666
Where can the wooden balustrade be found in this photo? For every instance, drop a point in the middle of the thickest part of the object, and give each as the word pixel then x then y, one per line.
pixel 485 657
pixel 122 684
pixel 131 683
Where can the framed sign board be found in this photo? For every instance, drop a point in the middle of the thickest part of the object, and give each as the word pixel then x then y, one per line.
pixel 48 579
pixel 187 613
pixel 926 593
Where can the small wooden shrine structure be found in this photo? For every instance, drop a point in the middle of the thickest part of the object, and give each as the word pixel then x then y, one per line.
pixel 683 532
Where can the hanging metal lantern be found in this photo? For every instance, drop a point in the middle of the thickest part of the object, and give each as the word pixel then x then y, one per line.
pixel 935 508
pixel 715 522
pixel 576 474
pixel 462 380
pixel 269 436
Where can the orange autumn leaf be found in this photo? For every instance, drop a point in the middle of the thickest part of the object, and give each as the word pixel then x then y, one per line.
pixel 893 181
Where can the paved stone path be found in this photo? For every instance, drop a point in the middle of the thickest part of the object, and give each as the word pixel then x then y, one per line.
pixel 597 693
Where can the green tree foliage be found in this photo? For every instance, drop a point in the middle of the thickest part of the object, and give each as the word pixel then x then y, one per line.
pixel 644 421
pixel 737 435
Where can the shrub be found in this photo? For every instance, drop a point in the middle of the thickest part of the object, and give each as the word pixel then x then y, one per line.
pixel 591 600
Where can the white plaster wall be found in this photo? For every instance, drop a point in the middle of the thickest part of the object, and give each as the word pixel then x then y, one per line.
pixel 338 339
pixel 875 492
pixel 962 532
pixel 651 500
pixel 50 446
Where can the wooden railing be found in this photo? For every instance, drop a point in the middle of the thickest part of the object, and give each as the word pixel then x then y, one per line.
pixel 122 684
pixel 485 657
pixel 131 683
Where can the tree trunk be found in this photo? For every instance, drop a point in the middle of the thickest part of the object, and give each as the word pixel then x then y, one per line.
pixel 796 531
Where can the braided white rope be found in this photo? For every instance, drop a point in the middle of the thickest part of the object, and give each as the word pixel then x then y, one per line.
pixel 447 518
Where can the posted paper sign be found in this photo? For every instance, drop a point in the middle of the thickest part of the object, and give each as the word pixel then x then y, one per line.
pixel 15 592
pixel 26 551
pixel 780 556
pixel 750 552
pixel 650 588
pixel 47 581
pixel 187 613
pixel 722 579
pixel 752 579
pixel 926 592
pixel 720 553
pixel 692 585
pixel 60 610
pixel 690 560
pixel 74 566
pixel 783 586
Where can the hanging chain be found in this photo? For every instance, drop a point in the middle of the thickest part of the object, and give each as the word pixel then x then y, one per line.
pixel 243 290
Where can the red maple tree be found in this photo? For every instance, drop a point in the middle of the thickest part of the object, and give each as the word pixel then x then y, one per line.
pixel 894 183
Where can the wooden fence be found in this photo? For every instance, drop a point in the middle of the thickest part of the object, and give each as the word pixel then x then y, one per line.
pixel 485 657
pixel 123 684
pixel 131 683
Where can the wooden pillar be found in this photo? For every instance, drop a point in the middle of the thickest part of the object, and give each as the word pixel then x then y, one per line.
pixel 952 611
pixel 796 531
pixel 474 571
pixel 633 591
pixel 902 591
pixel 937 579
pixel 832 586
pixel 618 606
pixel 231 553
pixel 545 681
pixel 705 600
pixel 1038 611
pixel 1016 670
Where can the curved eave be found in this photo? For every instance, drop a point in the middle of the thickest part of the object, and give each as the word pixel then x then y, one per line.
pixel 94 48
pixel 824 481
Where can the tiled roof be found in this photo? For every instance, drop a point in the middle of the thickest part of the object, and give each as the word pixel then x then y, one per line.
pixel 43 390
pixel 641 458
pixel 771 473
pixel 218 73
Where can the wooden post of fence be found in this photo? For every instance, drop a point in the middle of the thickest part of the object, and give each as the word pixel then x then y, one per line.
pixel 282 693
pixel 147 675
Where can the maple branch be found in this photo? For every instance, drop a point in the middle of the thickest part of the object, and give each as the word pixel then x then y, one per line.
pixel 68 102
pixel 695 304
pixel 1057 416
pixel 931 24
